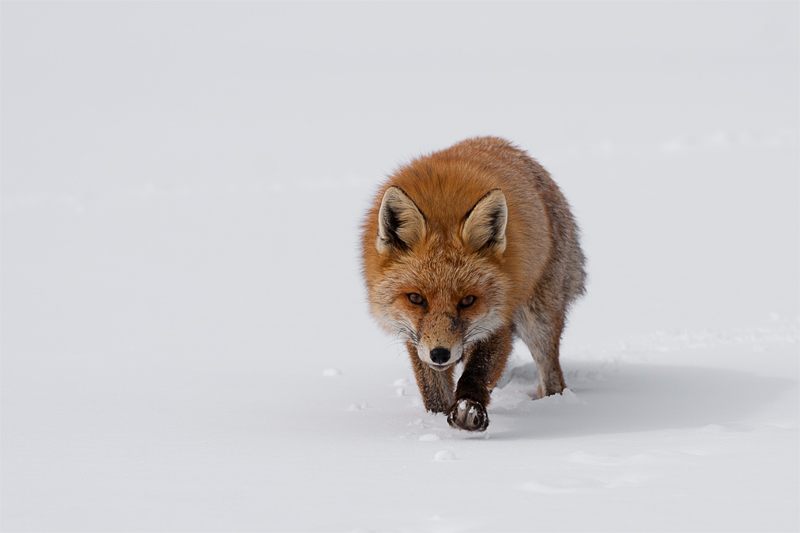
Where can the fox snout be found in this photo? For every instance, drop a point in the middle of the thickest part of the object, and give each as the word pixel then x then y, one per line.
pixel 440 355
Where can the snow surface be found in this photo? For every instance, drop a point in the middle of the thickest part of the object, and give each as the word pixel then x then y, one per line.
pixel 185 342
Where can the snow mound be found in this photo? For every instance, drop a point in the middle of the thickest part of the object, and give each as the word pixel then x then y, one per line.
pixel 445 455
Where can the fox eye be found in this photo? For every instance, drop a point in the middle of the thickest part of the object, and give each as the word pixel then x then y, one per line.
pixel 466 301
pixel 416 299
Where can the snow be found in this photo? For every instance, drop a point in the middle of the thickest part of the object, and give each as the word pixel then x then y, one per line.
pixel 185 340
pixel 444 455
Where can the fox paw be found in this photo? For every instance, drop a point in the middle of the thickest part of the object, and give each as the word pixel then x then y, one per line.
pixel 469 415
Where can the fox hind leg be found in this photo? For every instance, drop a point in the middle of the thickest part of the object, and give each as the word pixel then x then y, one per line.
pixel 541 332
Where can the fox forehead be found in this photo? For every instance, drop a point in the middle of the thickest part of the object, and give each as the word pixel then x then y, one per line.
pixel 439 273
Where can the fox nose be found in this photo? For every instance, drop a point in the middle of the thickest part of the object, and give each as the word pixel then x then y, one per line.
pixel 440 355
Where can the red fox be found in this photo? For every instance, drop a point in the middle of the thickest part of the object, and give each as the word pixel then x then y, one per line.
pixel 463 250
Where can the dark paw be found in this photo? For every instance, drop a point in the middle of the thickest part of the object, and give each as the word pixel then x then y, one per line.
pixel 469 415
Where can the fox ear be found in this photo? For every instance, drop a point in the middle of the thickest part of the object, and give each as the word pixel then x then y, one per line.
pixel 485 224
pixel 400 222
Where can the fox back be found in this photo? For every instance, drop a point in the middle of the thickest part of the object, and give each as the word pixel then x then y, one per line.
pixel 462 250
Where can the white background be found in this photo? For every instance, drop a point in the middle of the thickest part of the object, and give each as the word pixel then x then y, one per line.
pixel 182 186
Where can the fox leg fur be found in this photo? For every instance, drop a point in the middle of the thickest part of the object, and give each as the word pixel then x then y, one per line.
pixel 483 369
pixel 541 331
pixel 435 386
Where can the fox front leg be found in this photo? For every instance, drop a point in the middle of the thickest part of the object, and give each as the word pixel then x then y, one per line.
pixel 435 386
pixel 482 370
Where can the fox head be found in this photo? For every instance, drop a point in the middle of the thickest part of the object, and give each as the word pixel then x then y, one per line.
pixel 439 285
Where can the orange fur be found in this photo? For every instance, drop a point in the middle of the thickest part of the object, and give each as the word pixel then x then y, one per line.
pixel 439 228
